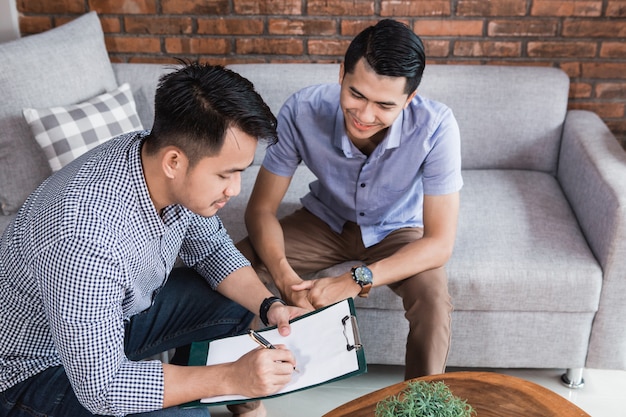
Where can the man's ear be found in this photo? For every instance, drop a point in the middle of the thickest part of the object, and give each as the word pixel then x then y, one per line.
pixel 173 162
pixel 341 72
pixel 411 97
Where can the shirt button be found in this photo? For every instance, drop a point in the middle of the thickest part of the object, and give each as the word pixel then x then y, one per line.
pixel 362 185
pixel 361 214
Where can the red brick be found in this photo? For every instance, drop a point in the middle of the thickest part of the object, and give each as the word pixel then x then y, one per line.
pixel 353 27
pixel 269 46
pixel 604 70
pixel 522 28
pixel 156 25
pixel 268 7
pixel 51 6
pixel 437 48
pixel 491 8
pixel 558 49
pixel 611 90
pixel 153 60
pixel 34 24
pixel 111 24
pixel 317 27
pixel 123 6
pixel 448 27
pixel 487 49
pixel 573 69
pixel 566 8
pixel 580 90
pixel 618 127
pixel 341 7
pixel 132 44
pixel 604 110
pixel 394 8
pixel 230 26
pixel 210 46
pixel 616 9
pixel 328 47
pixel 613 50
pixel 594 28
pixel 195 7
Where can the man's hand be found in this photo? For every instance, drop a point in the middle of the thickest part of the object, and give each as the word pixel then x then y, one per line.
pixel 329 290
pixel 263 372
pixel 279 315
pixel 296 298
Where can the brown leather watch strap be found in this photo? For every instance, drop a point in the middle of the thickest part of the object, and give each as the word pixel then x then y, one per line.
pixel 365 290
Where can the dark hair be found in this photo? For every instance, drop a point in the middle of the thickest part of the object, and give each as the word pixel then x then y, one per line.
pixel 391 49
pixel 196 104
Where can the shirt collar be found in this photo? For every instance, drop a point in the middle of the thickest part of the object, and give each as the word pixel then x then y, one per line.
pixel 392 138
pixel 153 222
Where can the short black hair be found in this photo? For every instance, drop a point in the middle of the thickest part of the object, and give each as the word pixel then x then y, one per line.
pixel 392 49
pixel 196 104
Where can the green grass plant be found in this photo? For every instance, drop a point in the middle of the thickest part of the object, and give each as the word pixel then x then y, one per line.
pixel 424 399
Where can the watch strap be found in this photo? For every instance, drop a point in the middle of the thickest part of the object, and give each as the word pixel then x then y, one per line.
pixel 365 290
pixel 265 307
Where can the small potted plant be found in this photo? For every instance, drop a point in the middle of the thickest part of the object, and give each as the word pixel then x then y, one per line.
pixel 424 399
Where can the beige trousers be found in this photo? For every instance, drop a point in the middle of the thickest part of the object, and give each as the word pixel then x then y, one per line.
pixel 311 245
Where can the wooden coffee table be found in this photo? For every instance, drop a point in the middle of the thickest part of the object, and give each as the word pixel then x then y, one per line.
pixel 490 394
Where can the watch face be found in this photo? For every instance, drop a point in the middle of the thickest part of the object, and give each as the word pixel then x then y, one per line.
pixel 363 275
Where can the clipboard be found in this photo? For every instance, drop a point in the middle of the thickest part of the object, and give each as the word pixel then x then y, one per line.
pixel 326 343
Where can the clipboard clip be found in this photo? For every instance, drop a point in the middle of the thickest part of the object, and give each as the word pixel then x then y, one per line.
pixel 355 332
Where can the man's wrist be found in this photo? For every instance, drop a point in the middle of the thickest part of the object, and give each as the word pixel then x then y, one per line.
pixel 265 308
pixel 363 277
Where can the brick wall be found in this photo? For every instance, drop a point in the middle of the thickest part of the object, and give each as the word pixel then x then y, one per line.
pixel 586 38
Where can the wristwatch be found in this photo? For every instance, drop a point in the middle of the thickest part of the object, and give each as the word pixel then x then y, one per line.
pixel 265 307
pixel 363 276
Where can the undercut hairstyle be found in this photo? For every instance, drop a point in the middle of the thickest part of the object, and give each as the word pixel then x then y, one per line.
pixel 195 106
pixel 391 49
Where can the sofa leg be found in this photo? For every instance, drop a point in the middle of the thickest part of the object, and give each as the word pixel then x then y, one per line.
pixel 573 378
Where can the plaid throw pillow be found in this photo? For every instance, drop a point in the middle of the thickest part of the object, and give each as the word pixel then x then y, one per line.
pixel 65 133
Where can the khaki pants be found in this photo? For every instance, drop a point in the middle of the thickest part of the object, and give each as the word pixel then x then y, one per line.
pixel 311 245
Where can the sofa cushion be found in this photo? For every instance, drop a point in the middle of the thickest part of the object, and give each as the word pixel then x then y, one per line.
pixel 64 65
pixel 65 133
pixel 530 254
pixel 509 119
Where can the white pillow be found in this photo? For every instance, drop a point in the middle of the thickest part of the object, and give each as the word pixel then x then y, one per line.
pixel 65 133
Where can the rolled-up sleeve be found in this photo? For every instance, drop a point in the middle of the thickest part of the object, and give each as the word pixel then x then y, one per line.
pixel 209 249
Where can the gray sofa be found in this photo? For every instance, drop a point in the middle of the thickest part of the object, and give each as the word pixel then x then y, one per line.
pixel 538 273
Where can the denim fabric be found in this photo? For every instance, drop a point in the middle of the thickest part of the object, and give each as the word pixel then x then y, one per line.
pixel 178 317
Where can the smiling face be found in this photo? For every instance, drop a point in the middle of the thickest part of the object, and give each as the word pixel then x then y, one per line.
pixel 370 102
pixel 207 186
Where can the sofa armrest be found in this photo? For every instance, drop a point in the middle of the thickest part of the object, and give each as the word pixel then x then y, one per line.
pixel 592 173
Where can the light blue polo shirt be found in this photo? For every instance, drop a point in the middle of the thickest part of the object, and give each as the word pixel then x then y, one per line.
pixel 421 154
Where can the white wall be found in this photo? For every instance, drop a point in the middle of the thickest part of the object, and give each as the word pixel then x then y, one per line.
pixel 9 28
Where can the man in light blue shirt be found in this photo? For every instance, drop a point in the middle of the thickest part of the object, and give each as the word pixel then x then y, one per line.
pixel 388 170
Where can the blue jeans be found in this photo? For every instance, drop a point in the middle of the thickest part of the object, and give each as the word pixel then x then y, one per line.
pixel 184 311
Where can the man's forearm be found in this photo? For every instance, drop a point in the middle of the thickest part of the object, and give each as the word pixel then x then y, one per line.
pixel 266 236
pixel 418 256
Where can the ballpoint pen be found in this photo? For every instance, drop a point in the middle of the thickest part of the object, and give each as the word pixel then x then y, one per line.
pixel 260 340
pixel 263 342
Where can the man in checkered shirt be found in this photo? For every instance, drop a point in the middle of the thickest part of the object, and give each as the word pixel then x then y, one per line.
pixel 85 285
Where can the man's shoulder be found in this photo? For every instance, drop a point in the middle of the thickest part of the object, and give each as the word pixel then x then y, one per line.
pixel 318 96
pixel 426 104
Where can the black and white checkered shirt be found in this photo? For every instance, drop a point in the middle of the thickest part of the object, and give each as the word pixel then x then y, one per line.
pixel 86 252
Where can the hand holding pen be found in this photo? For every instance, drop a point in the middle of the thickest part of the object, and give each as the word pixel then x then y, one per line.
pixel 264 343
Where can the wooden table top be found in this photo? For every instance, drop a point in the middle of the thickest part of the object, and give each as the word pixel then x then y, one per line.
pixel 490 394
